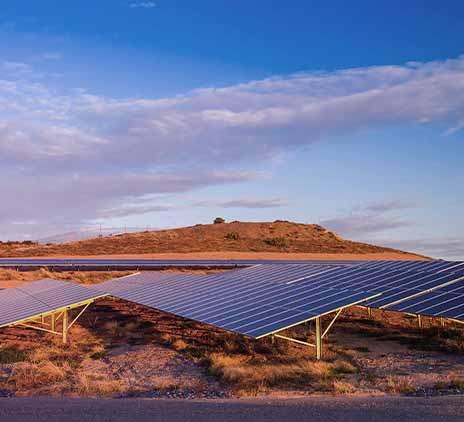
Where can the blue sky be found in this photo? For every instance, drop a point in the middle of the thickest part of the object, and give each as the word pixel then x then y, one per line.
pixel 170 113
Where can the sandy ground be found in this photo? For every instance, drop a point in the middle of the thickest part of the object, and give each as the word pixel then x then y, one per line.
pixel 385 364
pixel 315 409
pixel 249 255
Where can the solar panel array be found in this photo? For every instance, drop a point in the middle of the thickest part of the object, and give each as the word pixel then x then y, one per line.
pixel 263 299
pixel 40 297
pixel 455 267
pixel 393 284
pixel 255 302
pixel 446 302
pixel 120 285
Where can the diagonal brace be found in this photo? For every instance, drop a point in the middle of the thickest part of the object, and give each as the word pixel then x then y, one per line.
pixel 78 315
pixel 294 340
pixel 331 323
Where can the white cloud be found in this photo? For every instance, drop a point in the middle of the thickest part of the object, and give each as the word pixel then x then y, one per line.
pixel 255 203
pixel 143 5
pixel 439 247
pixel 370 218
pixel 360 225
pixel 50 56
pixel 256 119
pixel 103 140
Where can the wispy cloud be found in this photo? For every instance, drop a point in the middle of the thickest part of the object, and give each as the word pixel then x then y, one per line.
pixel 385 206
pixel 360 225
pixel 50 56
pixel 254 203
pixel 82 143
pixel 370 218
pixel 143 5
pixel 439 247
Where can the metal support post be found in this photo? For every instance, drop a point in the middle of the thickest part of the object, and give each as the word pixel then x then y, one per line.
pixel 65 326
pixel 318 339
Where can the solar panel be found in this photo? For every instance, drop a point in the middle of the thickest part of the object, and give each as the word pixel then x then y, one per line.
pixel 255 301
pixel 445 302
pixel 392 283
pixel 39 297
pixel 430 266
pixel 141 279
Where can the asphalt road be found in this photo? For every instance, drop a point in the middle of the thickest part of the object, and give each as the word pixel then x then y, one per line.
pixel 314 409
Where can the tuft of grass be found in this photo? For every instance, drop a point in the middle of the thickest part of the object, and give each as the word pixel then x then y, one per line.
pixel 345 367
pixel 241 372
pixel 440 385
pixel 180 344
pixel 89 385
pixel 29 376
pixel 99 355
pixel 458 383
pixel 48 373
pixel 399 385
pixel 12 354
pixel 342 387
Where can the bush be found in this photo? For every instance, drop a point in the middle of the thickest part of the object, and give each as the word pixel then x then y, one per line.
pixel 232 236
pixel 12 354
pixel 278 242
pixel 219 220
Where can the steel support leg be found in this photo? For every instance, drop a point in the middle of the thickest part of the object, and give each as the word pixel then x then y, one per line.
pixel 318 339
pixel 65 326
pixel 419 321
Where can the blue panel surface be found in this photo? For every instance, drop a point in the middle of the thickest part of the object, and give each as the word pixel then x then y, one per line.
pixel 39 297
pixel 254 301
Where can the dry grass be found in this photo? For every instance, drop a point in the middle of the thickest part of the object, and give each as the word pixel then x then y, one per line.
pixel 342 387
pixel 277 236
pixel 246 374
pixel 91 385
pixel 400 385
pixel 11 278
pixel 457 383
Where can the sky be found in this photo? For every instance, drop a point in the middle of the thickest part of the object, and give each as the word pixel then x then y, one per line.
pixel 171 112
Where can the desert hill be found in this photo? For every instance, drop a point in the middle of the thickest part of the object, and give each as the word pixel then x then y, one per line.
pixel 281 237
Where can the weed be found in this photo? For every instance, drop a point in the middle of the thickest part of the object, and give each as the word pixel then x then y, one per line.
pixel 343 387
pixel 458 383
pixel 12 354
pixel 399 385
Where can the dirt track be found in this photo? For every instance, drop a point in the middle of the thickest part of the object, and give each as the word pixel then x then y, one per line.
pixel 315 409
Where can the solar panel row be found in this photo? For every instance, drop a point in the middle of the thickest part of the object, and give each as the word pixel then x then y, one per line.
pixel 447 302
pixel 255 301
pixel 393 284
pixel 263 299
pixel 41 297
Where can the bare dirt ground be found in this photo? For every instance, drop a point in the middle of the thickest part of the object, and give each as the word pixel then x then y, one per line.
pixel 120 349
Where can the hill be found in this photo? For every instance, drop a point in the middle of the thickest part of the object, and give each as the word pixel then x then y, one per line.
pixel 236 237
